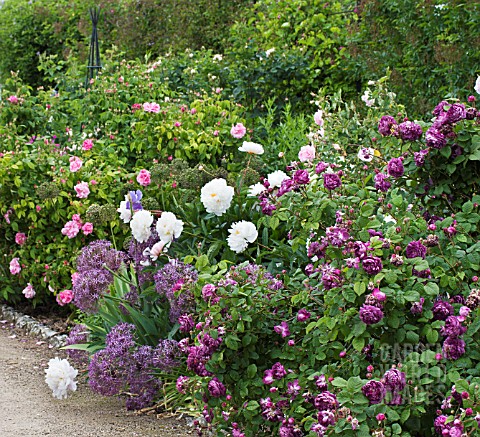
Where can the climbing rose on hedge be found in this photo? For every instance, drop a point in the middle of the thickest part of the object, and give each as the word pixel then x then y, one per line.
pixel 374 391
pixel 29 291
pixel 395 167
pixel 143 178
pixel 370 314
pixel 75 163
pixel 15 268
pixel 20 238
pixel 82 190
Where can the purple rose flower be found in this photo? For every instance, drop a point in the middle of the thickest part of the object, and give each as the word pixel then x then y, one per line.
pixel 417 307
pixel 415 249
pixel 325 401
pixel 361 249
pixel 326 417
pixel 278 371
pixel 453 348
pixel 321 167
pixel 387 125
pixel 456 151
pixel 439 109
pixel 303 315
pixel 442 309
pixel 181 380
pixel 370 314
pixel 301 177
pixel 282 329
pixel 337 236
pixel 419 157
pixel 435 139
pixel 331 181
pixel 394 380
pixel 372 265
pixel 456 112
pixel 286 186
pixel 453 327
pixel 216 388
pixel 374 391
pixel 381 183
pixel 409 131
pixel 321 382
pixel 395 168
pixel 186 323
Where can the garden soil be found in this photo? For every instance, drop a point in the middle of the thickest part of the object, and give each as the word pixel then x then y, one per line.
pixel 28 409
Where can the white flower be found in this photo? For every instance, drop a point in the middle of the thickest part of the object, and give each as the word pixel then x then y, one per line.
pixel 125 213
pixel 168 227
pixel 269 51
pixel 477 85
pixel 216 196
pixel 140 225
pixel 255 190
pixel 366 98
pixel 389 219
pixel 241 233
pixel 217 57
pixel 252 148
pixel 276 178
pixel 60 377
pixel 366 154
pixel 153 252
pixel 371 82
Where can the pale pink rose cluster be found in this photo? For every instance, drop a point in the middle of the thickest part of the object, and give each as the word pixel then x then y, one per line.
pixel 82 190
pixel 75 163
pixel 238 131
pixel 307 153
pixel 13 100
pixel 74 226
pixel 20 238
pixel 151 107
pixel 87 144
pixel 15 267
pixel 143 178
pixel 29 291
pixel 64 297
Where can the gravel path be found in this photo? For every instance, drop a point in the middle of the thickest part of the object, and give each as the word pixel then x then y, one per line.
pixel 28 409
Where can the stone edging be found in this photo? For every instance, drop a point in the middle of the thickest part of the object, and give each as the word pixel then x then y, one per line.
pixel 32 326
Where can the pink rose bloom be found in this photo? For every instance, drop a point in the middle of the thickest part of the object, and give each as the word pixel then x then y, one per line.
pixel 87 144
pixel 15 268
pixel 177 124
pixel 238 131
pixel 87 228
pixel 93 182
pixel 307 153
pixel 71 229
pixel 29 291
pixel 143 178
pixel 76 218
pixel 13 100
pixel 38 208
pixel 82 190
pixel 215 133
pixel 193 111
pixel 151 107
pixel 64 297
pixel 20 238
pixel 75 163
pixel 75 277
pixel 318 117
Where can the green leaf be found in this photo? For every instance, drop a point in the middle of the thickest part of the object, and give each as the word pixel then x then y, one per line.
pixel 358 343
pixel 359 288
pixel 232 341
pixel 251 371
pixel 339 382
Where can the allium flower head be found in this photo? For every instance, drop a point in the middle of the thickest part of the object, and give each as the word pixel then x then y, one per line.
pixel 168 227
pixel 251 148
pixel 216 196
pixel 140 225
pixel 60 377
pixel 241 233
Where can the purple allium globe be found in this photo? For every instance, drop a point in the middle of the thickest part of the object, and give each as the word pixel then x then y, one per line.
pixel 381 183
pixel 370 314
pixel 415 249
pixel 387 125
pixel 456 112
pixel 394 380
pixel 325 401
pixel 395 167
pixel 216 388
pixel 442 309
pixel 374 391
pixel 435 139
pixel 372 265
pixel 331 181
pixel 409 131
pixel 453 348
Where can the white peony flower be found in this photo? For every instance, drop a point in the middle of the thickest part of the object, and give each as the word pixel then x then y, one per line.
pixel 251 148
pixel 477 85
pixel 125 213
pixel 255 190
pixel 168 227
pixel 140 225
pixel 60 377
pixel 276 178
pixel 366 154
pixel 216 196
pixel 241 233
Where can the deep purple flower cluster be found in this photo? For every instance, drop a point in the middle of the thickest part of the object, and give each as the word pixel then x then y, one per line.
pixel 442 309
pixel 270 411
pixel 381 183
pixel 415 249
pixel 331 277
pixel 387 126
pixel 94 277
pixel 395 382
pixel 289 429
pixel 452 428
pixel 198 356
pixel 409 131
pixel 395 167
pixel 337 236
pixel 77 335
pixel 370 314
pixel 372 265
pixel 331 181
pixel 374 391
pixel 276 372
pixel 419 157
pixel 216 388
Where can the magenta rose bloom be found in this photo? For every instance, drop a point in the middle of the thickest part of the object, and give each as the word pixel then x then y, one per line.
pixel 301 177
pixel 435 139
pixel 394 380
pixel 374 391
pixel 453 327
pixel 325 401
pixel 395 168
pixel 381 183
pixel 370 314
pixel 440 108
pixel 331 181
pixel 372 265
pixel 453 348
pixel 415 249
pixel 216 388
pixel 409 131
pixel 456 112
pixel 442 309
pixel 387 125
